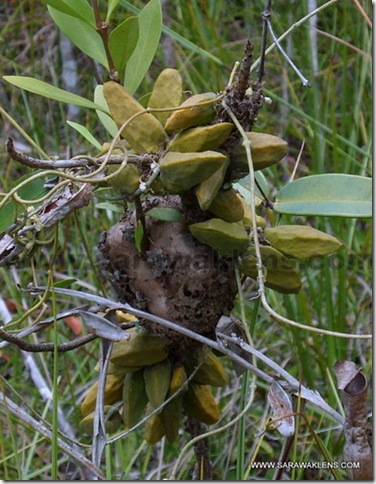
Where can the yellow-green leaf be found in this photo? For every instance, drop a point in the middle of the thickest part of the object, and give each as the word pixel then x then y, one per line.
pixel 80 9
pixel 104 118
pixel 51 92
pixel 81 34
pixel 330 195
pixel 112 4
pixel 150 28
pixel 85 133
pixel 122 42
pixel 165 214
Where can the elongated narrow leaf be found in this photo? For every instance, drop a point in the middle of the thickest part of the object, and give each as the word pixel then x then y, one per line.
pixel 82 35
pixel 85 133
pixel 242 186
pixel 177 37
pixel 80 9
pixel 327 195
pixel 150 28
pixel 104 118
pixel 51 92
pixel 112 4
pixel 65 282
pixel 122 42
pixel 110 206
pixel 138 236
pixel 165 214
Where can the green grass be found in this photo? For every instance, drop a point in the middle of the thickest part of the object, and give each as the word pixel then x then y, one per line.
pixel 332 118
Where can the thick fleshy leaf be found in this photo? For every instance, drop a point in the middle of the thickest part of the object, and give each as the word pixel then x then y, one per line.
pixel 104 118
pixel 150 28
pixel 80 9
pixel 44 89
pixel 165 214
pixel 122 42
pixel 327 195
pixel 82 35
pixel 85 133
pixel 228 239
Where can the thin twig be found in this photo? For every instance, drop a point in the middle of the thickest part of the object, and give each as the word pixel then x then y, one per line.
pixel 102 29
pixel 23 133
pixel 99 430
pixel 45 347
pixel 306 393
pixel 80 161
pixel 305 81
pixel 297 162
pixel 347 44
pixel 294 26
pixel 364 13
pixel 265 14
pixel 233 73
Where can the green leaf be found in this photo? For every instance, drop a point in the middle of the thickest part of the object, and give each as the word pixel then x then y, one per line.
pixel 165 214
pixel 44 89
pixel 32 191
pixel 177 37
pixel 328 195
pixel 144 100
pixel 242 186
pixel 84 36
pixel 65 282
pixel 150 28
pixel 80 9
pixel 104 118
pixel 138 235
pixel 112 4
pixel 110 206
pixel 107 194
pixel 85 133
pixel 122 42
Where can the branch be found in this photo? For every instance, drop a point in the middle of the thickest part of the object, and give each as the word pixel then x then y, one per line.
pixel 102 29
pixel 305 81
pixel 78 162
pixel 45 347
pixel 295 25
pixel 310 395
pixel 265 14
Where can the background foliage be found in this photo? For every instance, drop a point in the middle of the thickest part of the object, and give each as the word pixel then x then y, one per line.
pixel 331 120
